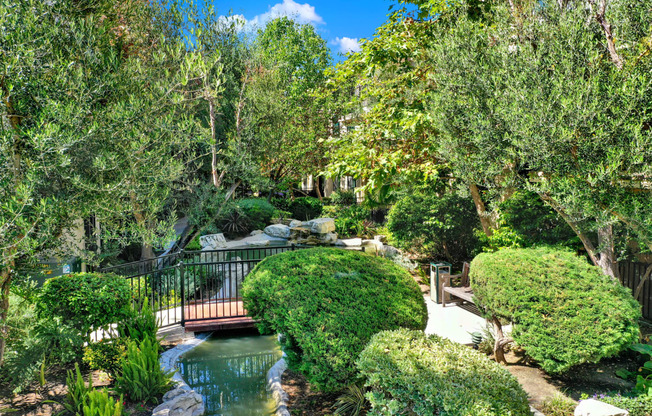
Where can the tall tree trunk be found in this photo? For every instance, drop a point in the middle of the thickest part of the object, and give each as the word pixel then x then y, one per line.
pixel 608 261
pixel 605 259
pixel 146 251
pixel 319 195
pixel 5 284
pixel 486 221
pixel 216 178
pixel 586 241
pixel 606 28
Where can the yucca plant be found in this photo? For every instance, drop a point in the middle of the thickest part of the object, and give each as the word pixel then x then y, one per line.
pixel 142 378
pixel 352 402
pixel 99 403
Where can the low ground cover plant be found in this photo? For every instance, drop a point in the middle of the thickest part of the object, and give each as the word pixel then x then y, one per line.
pixel 328 303
pixel 412 373
pixel 565 311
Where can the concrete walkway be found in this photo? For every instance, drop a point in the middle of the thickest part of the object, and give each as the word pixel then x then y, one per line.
pixel 453 322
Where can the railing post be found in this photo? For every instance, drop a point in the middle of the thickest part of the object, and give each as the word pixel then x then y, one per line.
pixel 183 293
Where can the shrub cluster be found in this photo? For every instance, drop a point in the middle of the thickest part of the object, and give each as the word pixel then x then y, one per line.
pixel 565 311
pixel 86 300
pixel 303 208
pixel 328 303
pixel 351 221
pixel 411 373
pixel 434 226
pixel 245 216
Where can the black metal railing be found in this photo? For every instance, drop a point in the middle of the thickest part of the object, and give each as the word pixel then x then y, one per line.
pixel 194 285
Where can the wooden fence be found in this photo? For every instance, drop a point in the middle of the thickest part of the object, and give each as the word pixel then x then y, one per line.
pixel 631 274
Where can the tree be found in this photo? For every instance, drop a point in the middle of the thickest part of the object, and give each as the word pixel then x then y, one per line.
pixel 282 122
pixel 93 122
pixel 502 103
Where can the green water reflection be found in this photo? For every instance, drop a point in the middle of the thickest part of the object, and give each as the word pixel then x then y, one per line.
pixel 231 373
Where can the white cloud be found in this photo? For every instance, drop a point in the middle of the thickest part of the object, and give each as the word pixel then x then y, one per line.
pixel 237 20
pixel 347 44
pixel 300 13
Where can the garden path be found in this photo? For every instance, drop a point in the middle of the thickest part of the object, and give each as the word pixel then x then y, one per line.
pixel 454 322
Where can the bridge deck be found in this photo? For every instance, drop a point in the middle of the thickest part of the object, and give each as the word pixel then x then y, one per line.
pixel 216 315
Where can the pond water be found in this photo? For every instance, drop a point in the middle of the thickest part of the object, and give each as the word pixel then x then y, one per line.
pixel 231 373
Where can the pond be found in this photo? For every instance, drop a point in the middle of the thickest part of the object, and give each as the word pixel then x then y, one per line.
pixel 231 373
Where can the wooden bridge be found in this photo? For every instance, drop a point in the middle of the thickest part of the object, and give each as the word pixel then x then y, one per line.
pixel 200 290
pixel 197 289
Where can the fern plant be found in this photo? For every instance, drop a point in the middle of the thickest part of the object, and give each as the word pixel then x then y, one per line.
pixel 78 392
pixel 140 324
pixel 141 378
pixel 99 403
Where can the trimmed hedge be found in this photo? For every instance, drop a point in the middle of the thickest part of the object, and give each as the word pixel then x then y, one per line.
pixel 565 311
pixel 412 373
pixel 86 300
pixel 328 303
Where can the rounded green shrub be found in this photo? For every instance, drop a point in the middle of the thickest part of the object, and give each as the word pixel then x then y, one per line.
pixel 328 303
pixel 412 373
pixel 435 226
pixel 106 355
pixel 86 300
pixel 565 311
pixel 258 211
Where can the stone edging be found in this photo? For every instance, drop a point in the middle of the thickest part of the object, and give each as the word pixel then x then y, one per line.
pixel 276 388
pixel 535 412
pixel 169 358
pixel 181 399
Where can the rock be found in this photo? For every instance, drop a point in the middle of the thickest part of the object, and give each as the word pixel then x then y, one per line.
pixel 295 223
pixel 351 242
pixel 180 403
pixel 389 252
pixel 278 231
pixel 320 225
pixel 372 246
pixel 317 239
pixel 381 238
pixel 262 240
pixel 591 407
pixel 233 274
pixel 212 241
pixel 173 393
pixel 256 232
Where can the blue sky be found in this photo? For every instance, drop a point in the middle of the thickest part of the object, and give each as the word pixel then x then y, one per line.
pixel 342 23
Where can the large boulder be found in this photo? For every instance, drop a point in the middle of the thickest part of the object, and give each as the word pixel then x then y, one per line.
pixel 278 231
pixel 320 225
pixel 180 402
pixel 593 407
pixel 212 241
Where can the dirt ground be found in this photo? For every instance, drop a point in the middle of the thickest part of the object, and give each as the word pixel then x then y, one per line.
pixel 302 400
pixel 44 400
